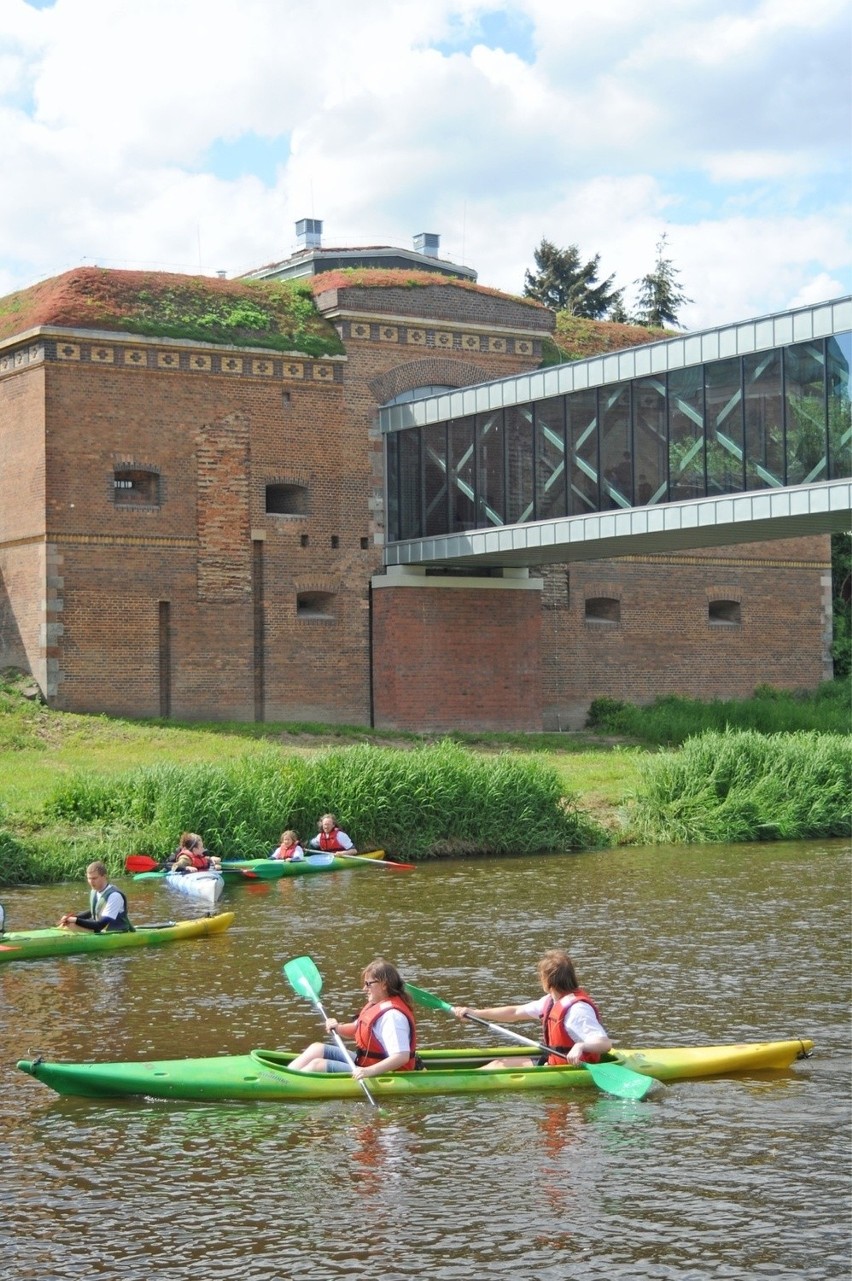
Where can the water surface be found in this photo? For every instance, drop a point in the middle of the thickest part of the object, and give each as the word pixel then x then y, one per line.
pixel 736 1178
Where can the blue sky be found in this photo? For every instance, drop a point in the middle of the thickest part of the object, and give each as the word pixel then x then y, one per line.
pixel 724 124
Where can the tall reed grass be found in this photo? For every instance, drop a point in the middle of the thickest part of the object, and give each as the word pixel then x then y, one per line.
pixel 671 719
pixel 744 786
pixel 435 799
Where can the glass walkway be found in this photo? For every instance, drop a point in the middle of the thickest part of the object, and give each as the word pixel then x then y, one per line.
pixel 753 408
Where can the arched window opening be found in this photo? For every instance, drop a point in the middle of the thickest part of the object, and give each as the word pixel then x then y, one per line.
pixel 287 500
pixel 727 613
pixel 603 609
pixel 315 605
pixel 135 487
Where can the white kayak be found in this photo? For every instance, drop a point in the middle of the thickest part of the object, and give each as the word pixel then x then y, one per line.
pixel 206 886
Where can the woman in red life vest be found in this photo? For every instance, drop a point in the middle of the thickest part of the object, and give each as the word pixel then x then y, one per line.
pixel 384 1032
pixel 568 1015
pixel 332 838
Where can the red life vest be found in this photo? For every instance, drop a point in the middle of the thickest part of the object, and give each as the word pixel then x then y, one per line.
pixel 329 841
pixel 199 861
pixel 553 1029
pixel 369 1048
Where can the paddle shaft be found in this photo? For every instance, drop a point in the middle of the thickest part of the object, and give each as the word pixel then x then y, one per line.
pixel 516 1036
pixel 341 1045
pixel 387 864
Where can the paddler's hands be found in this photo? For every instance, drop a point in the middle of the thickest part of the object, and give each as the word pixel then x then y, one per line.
pixel 462 1011
pixel 331 1025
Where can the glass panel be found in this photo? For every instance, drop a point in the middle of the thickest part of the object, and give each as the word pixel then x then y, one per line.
pixel 723 406
pixel 410 523
pixel 519 464
pixel 392 475
pixel 839 358
pixel 462 474
pixel 583 495
pixel 764 420
pixel 804 386
pixel 649 440
pixel 550 458
pixel 490 463
pixel 435 490
pixel 616 450
pixel 686 433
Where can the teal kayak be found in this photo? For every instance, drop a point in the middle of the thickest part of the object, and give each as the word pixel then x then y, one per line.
pixel 264 1075
pixel 70 940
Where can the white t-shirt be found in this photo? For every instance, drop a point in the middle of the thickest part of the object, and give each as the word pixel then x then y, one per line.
pixel 112 907
pixel 580 1021
pixel 394 1032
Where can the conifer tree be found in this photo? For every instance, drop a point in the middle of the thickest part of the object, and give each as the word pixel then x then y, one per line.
pixel 660 296
pixel 564 283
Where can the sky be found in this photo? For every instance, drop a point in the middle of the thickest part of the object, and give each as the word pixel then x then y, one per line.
pixel 191 135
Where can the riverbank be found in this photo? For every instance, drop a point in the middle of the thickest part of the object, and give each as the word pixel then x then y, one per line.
pixel 78 787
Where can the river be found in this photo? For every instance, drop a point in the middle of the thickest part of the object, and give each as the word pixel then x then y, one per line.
pixel 740 1177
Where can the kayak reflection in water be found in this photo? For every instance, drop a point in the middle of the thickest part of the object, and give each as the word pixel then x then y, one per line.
pixel 569 1017
pixel 384 1032
pixel 107 905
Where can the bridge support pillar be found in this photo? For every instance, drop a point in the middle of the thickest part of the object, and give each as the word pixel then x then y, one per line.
pixel 454 651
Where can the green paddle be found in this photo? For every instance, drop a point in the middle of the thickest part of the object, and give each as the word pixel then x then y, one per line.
pixel 306 980
pixel 612 1078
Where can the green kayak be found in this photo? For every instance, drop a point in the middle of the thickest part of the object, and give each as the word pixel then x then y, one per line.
pixel 272 869
pixel 69 940
pixel 263 1075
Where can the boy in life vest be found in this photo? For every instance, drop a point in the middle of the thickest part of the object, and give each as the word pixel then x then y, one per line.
pixel 107 905
pixel 384 1032
pixel 568 1015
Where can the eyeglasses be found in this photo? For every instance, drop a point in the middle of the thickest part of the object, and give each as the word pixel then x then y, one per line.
pixel 371 982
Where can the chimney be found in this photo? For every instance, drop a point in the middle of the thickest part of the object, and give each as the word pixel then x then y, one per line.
pixel 309 233
pixel 426 242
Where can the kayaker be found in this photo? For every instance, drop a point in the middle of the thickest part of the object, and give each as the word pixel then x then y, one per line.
pixel 332 838
pixel 289 849
pixel 569 1016
pixel 190 856
pixel 107 905
pixel 384 1032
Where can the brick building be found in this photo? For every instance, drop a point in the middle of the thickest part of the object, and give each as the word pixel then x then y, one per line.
pixel 194 529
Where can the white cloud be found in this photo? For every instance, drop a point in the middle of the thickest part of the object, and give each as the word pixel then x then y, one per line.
pixel 719 121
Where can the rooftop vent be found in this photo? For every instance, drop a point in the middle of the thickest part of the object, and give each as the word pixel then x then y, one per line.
pixel 426 242
pixel 309 232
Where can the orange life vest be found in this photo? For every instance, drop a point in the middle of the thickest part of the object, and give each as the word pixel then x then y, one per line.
pixel 369 1048
pixel 553 1028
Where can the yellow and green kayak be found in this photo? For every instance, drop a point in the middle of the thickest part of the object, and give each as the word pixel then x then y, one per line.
pixel 264 1075
pixel 70 940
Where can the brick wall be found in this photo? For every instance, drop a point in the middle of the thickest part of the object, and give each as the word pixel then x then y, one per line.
pixel 665 642
pixel 456 657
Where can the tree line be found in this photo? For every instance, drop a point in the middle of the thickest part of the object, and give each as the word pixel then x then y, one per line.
pixel 564 282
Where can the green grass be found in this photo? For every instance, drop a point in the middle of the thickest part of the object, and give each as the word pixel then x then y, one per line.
pixel 75 787
pixel 672 719
pixel 743 786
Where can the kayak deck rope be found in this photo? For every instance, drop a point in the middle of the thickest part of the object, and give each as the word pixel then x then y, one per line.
pixel 803 1053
